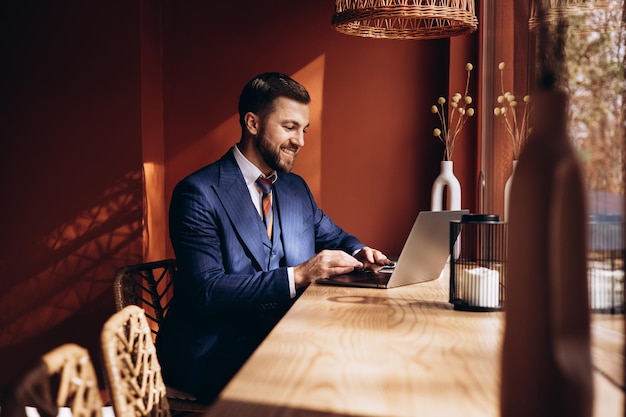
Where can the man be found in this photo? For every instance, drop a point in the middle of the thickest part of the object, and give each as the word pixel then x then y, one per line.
pixel 244 253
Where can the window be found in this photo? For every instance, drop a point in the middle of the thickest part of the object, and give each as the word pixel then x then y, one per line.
pixel 596 66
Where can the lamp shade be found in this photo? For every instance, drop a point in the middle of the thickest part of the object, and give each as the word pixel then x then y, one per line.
pixel 405 19
pixel 555 9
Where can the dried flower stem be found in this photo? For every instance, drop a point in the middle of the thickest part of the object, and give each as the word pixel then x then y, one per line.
pixel 517 131
pixel 457 112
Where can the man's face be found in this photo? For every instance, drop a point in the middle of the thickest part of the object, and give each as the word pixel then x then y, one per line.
pixel 281 133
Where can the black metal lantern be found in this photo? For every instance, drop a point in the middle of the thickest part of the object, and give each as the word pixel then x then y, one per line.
pixel 478 262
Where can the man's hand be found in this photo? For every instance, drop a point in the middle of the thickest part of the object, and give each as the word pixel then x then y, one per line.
pixel 372 258
pixel 323 265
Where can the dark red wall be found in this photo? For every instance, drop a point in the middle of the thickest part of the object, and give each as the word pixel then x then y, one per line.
pixel 374 154
pixel 80 100
pixel 70 169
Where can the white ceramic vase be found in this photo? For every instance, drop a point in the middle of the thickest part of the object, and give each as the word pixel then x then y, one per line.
pixel 507 191
pixel 445 179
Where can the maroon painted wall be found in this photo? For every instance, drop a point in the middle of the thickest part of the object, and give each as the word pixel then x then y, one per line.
pixel 70 170
pixel 374 157
pixel 80 113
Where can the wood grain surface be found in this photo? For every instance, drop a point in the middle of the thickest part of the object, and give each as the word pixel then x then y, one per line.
pixel 396 352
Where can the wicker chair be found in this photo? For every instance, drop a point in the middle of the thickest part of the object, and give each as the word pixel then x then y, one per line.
pixel 66 373
pixel 131 368
pixel 151 286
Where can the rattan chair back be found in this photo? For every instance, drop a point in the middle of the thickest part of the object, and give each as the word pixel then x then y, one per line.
pixel 64 377
pixel 131 368
pixel 150 286
pixel 78 384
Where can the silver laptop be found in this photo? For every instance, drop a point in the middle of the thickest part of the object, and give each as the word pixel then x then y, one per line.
pixel 422 258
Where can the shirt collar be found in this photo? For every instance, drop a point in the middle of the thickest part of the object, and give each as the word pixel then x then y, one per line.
pixel 249 170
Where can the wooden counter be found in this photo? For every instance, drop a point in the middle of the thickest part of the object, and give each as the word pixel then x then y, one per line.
pixel 397 352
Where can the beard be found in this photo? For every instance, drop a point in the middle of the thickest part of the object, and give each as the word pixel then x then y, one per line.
pixel 272 156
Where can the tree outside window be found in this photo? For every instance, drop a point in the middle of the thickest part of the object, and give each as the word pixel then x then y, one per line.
pixel 596 64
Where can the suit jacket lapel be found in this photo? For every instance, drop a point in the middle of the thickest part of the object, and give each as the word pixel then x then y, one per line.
pixel 291 212
pixel 235 197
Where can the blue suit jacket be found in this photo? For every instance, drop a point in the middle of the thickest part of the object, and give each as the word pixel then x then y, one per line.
pixel 226 301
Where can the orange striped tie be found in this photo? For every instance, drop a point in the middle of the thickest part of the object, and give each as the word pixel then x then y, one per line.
pixel 266 186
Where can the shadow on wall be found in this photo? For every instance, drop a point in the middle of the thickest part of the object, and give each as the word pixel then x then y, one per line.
pixel 70 164
pixel 59 288
pixel 68 269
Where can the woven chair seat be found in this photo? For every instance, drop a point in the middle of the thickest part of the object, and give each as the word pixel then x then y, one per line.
pixel 179 395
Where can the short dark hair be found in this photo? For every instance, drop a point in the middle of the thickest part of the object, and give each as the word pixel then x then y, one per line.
pixel 260 92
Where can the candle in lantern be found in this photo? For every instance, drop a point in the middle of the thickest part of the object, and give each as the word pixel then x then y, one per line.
pixel 480 287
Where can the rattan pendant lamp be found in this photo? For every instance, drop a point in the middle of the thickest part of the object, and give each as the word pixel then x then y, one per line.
pixel 405 19
pixel 555 9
